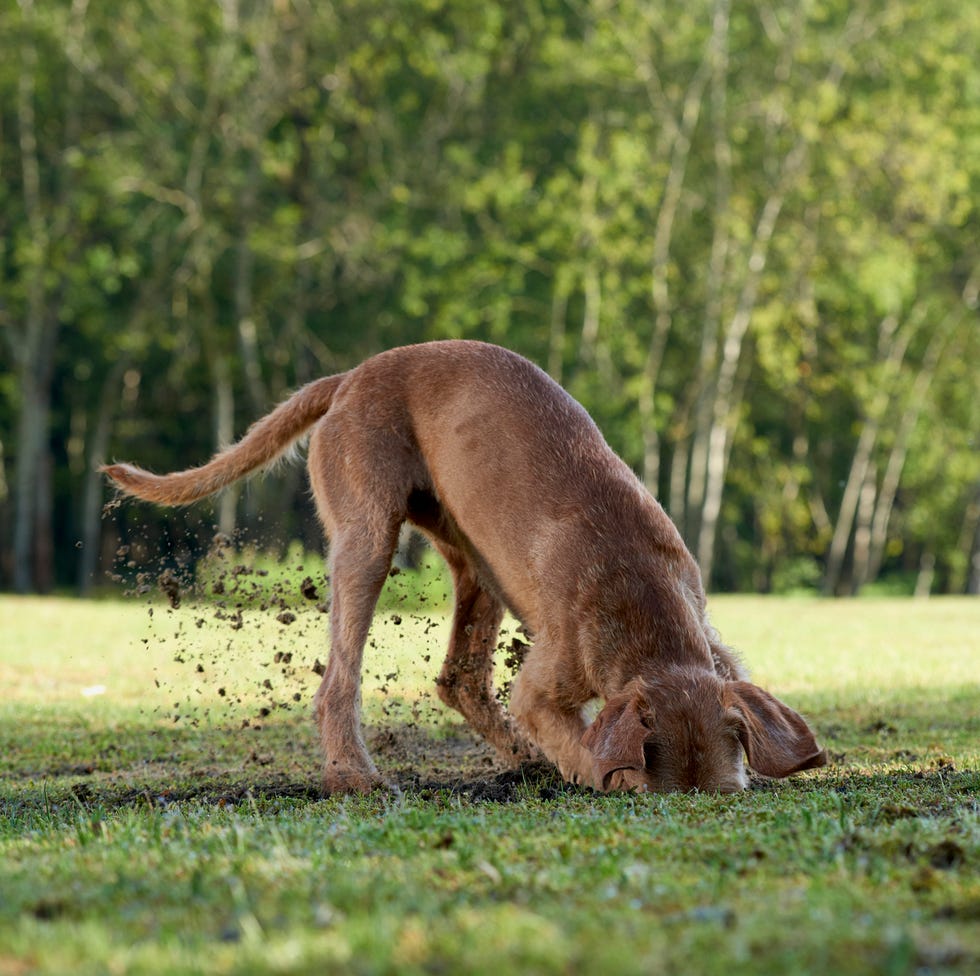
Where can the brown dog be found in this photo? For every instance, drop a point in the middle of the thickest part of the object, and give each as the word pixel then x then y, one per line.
pixel 514 485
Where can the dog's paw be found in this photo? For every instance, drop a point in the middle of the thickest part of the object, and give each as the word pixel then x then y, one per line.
pixel 524 753
pixel 575 775
pixel 628 781
pixel 344 779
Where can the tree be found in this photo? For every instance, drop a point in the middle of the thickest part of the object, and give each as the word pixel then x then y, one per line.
pixel 741 234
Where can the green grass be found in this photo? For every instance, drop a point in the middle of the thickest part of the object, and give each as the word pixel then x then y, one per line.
pixel 158 811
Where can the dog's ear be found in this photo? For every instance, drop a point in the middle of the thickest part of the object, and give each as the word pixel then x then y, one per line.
pixel 616 738
pixel 777 741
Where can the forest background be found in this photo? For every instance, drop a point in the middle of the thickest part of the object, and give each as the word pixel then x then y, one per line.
pixel 745 235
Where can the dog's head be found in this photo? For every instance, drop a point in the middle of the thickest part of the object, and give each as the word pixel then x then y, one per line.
pixel 694 731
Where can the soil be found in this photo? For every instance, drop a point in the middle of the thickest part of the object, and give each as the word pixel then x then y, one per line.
pixel 509 786
pixel 417 762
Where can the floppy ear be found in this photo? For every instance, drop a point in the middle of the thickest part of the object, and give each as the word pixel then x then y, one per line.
pixel 616 738
pixel 776 740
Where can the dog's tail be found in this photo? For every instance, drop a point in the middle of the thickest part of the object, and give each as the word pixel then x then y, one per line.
pixel 265 441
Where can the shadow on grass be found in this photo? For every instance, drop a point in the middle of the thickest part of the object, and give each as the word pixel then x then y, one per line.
pixel 54 757
pixel 58 757
pixel 537 781
pixel 892 795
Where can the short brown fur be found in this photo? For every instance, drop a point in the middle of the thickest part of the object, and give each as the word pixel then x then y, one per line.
pixel 515 486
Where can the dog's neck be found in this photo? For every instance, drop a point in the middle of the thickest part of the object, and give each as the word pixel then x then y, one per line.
pixel 641 626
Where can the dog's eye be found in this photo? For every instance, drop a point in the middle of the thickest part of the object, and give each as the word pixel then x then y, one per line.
pixel 735 723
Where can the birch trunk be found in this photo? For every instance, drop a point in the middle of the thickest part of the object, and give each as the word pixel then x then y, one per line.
pixel 892 345
pixel 35 345
pixel 896 459
pixel 247 332
pixel 724 403
pixel 697 453
pixel 683 133
pixel 973 577
pixel 224 434
pixel 92 488
pixel 718 434
pixel 864 516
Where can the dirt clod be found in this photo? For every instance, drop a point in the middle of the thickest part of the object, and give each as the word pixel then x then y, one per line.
pixel 170 585
pixel 308 588
pixel 946 855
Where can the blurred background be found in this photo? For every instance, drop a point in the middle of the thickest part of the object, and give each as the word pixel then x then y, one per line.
pixel 744 235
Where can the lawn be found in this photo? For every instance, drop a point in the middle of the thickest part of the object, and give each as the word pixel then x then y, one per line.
pixel 159 813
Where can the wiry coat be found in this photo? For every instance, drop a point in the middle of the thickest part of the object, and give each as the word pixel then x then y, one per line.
pixel 515 486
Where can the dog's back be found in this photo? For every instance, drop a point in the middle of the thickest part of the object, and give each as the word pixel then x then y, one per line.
pixel 514 463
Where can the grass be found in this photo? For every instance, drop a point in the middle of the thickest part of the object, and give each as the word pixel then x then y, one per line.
pixel 158 811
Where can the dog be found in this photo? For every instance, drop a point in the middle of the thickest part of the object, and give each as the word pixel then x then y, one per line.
pixel 516 488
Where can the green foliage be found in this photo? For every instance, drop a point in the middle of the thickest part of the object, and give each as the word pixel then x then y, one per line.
pixel 736 225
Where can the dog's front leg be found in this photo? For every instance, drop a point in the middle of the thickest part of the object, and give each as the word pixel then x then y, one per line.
pixel 554 726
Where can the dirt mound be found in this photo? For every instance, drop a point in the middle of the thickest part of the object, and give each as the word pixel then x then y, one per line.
pixel 531 781
pixel 419 761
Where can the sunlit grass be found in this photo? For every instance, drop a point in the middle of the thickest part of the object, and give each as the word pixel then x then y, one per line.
pixel 154 820
pixel 815 645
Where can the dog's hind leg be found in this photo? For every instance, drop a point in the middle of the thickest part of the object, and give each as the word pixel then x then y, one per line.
pixel 466 680
pixel 359 562
pixel 360 489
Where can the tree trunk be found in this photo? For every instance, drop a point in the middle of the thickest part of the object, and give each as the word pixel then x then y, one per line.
pixel 44 569
pixel 723 412
pixel 892 345
pixel 592 312
pixel 973 581
pixel 896 458
pixel 660 266
pixel 91 520
pixel 927 572
pixel 47 221
pixel 247 333
pixel 717 435
pixel 32 432
pixel 697 452
pixel 35 346
pixel 677 500
pixel 864 517
pixel 224 434
pixel 967 580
